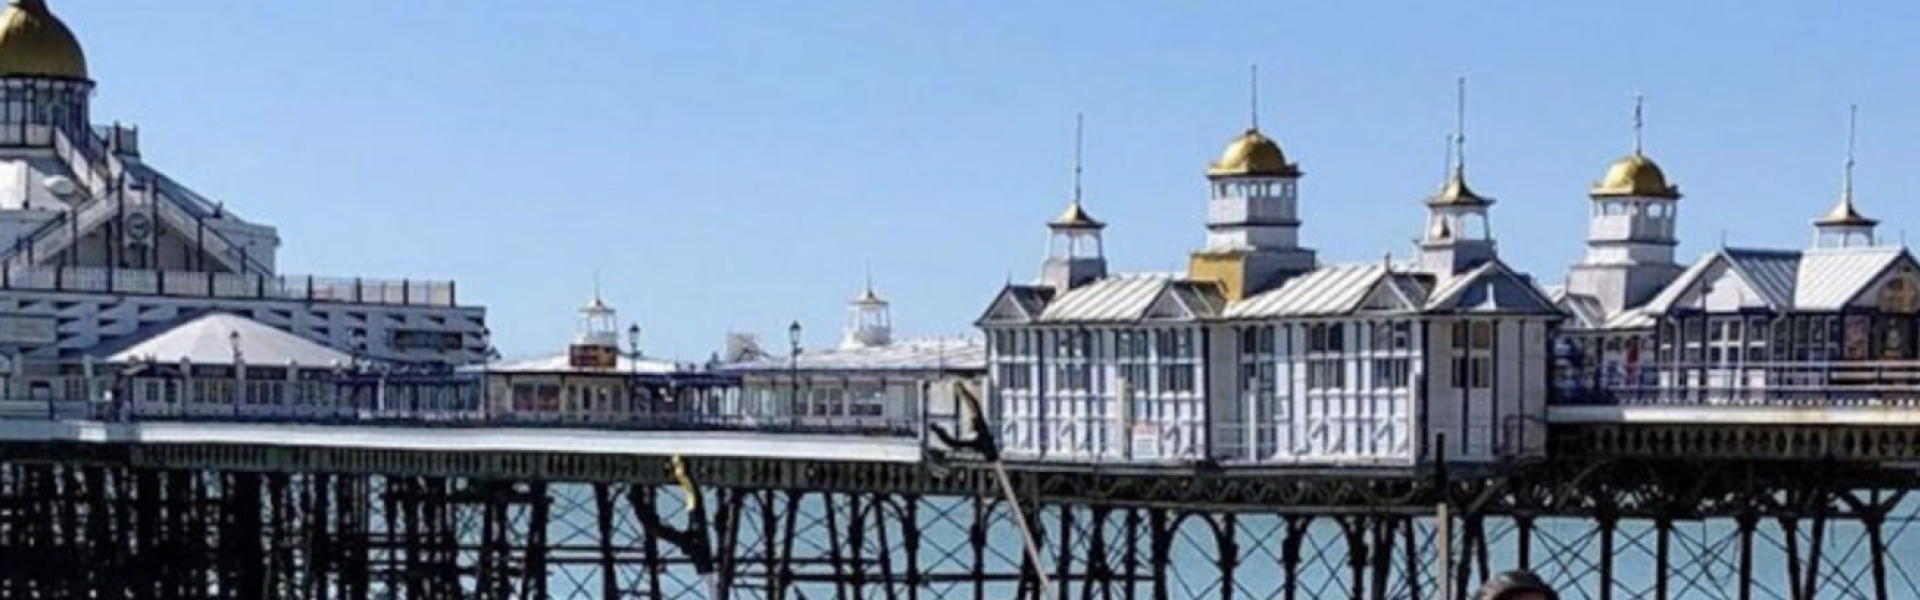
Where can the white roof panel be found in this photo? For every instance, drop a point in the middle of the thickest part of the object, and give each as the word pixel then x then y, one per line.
pixel 215 338
pixel 1829 279
pixel 1119 299
pixel 912 355
pixel 1332 290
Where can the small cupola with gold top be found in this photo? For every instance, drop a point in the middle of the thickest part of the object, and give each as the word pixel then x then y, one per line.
pixel 1253 222
pixel 1458 235
pixel 1076 255
pixel 1844 226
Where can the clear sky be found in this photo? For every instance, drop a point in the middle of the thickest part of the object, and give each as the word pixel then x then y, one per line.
pixel 730 166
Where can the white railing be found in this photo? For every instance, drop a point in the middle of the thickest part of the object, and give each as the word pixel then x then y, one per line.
pixel 1761 384
pixel 229 285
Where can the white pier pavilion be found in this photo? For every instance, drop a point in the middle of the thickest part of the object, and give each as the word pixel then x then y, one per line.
pixel 98 247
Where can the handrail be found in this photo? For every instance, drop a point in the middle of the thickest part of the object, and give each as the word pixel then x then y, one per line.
pixel 199 284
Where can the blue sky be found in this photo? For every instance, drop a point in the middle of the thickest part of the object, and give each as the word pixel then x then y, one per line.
pixel 730 166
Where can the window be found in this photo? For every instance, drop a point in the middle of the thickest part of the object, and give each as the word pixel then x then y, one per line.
pixel 1473 355
pixel 1176 379
pixel 1015 377
pixel 1326 363
pixel 1391 373
pixel 1071 371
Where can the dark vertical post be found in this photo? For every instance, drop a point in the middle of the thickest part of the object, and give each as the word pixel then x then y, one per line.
pixel 1607 524
pixel 977 538
pixel 1162 550
pixel 1523 531
pixel 1877 547
pixel 1662 556
pixel 1815 542
pixel 1229 549
pixel 1790 529
pixel 1290 554
pixel 1746 523
pixel 1063 563
pixel 603 513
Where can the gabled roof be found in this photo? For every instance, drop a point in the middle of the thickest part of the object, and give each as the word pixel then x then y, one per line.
pixel 1133 297
pixel 1791 280
pixel 1327 291
pixel 1492 287
pixel 928 355
pixel 1586 311
pixel 211 339
pixel 1024 303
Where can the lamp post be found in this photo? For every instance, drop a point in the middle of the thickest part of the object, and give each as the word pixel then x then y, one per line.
pixel 793 372
pixel 633 369
pixel 239 371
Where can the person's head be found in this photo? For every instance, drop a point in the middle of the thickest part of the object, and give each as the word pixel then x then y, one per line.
pixel 1516 585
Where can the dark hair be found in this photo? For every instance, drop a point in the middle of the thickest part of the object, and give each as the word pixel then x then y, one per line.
pixel 1511 584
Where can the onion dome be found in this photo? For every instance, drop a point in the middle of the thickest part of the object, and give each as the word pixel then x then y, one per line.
pixel 34 43
pixel 1075 217
pixel 868 297
pixel 1845 215
pixel 1456 192
pixel 1635 175
pixel 1253 155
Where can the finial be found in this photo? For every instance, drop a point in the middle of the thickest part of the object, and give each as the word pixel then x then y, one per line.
pixel 1079 146
pixel 1460 125
pixel 1639 121
pixel 1846 184
pixel 1253 97
pixel 869 270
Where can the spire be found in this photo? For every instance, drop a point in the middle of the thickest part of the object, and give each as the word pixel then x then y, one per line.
pixel 1460 125
pixel 1079 147
pixel 1844 215
pixel 1076 215
pixel 1639 122
pixel 1253 97
pixel 1853 125
pixel 1454 191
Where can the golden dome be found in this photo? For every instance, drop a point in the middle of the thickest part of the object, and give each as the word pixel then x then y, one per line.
pixel 1456 192
pixel 1635 175
pixel 1076 217
pixel 1845 215
pixel 34 43
pixel 1254 155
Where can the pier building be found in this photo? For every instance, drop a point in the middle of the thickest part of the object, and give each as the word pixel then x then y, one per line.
pixel 100 248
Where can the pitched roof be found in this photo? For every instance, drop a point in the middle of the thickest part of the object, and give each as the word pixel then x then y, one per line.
pixel 1117 299
pixel 1328 291
pixel 963 354
pixel 1809 280
pixel 563 363
pixel 1491 287
pixel 213 338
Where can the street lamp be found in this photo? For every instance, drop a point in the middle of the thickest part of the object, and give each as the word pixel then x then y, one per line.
pixel 633 368
pixel 239 370
pixel 793 371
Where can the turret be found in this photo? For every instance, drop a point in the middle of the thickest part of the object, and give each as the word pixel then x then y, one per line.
pixel 869 321
pixel 1253 219
pixel 1844 226
pixel 1630 233
pixel 1458 235
pixel 1076 255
